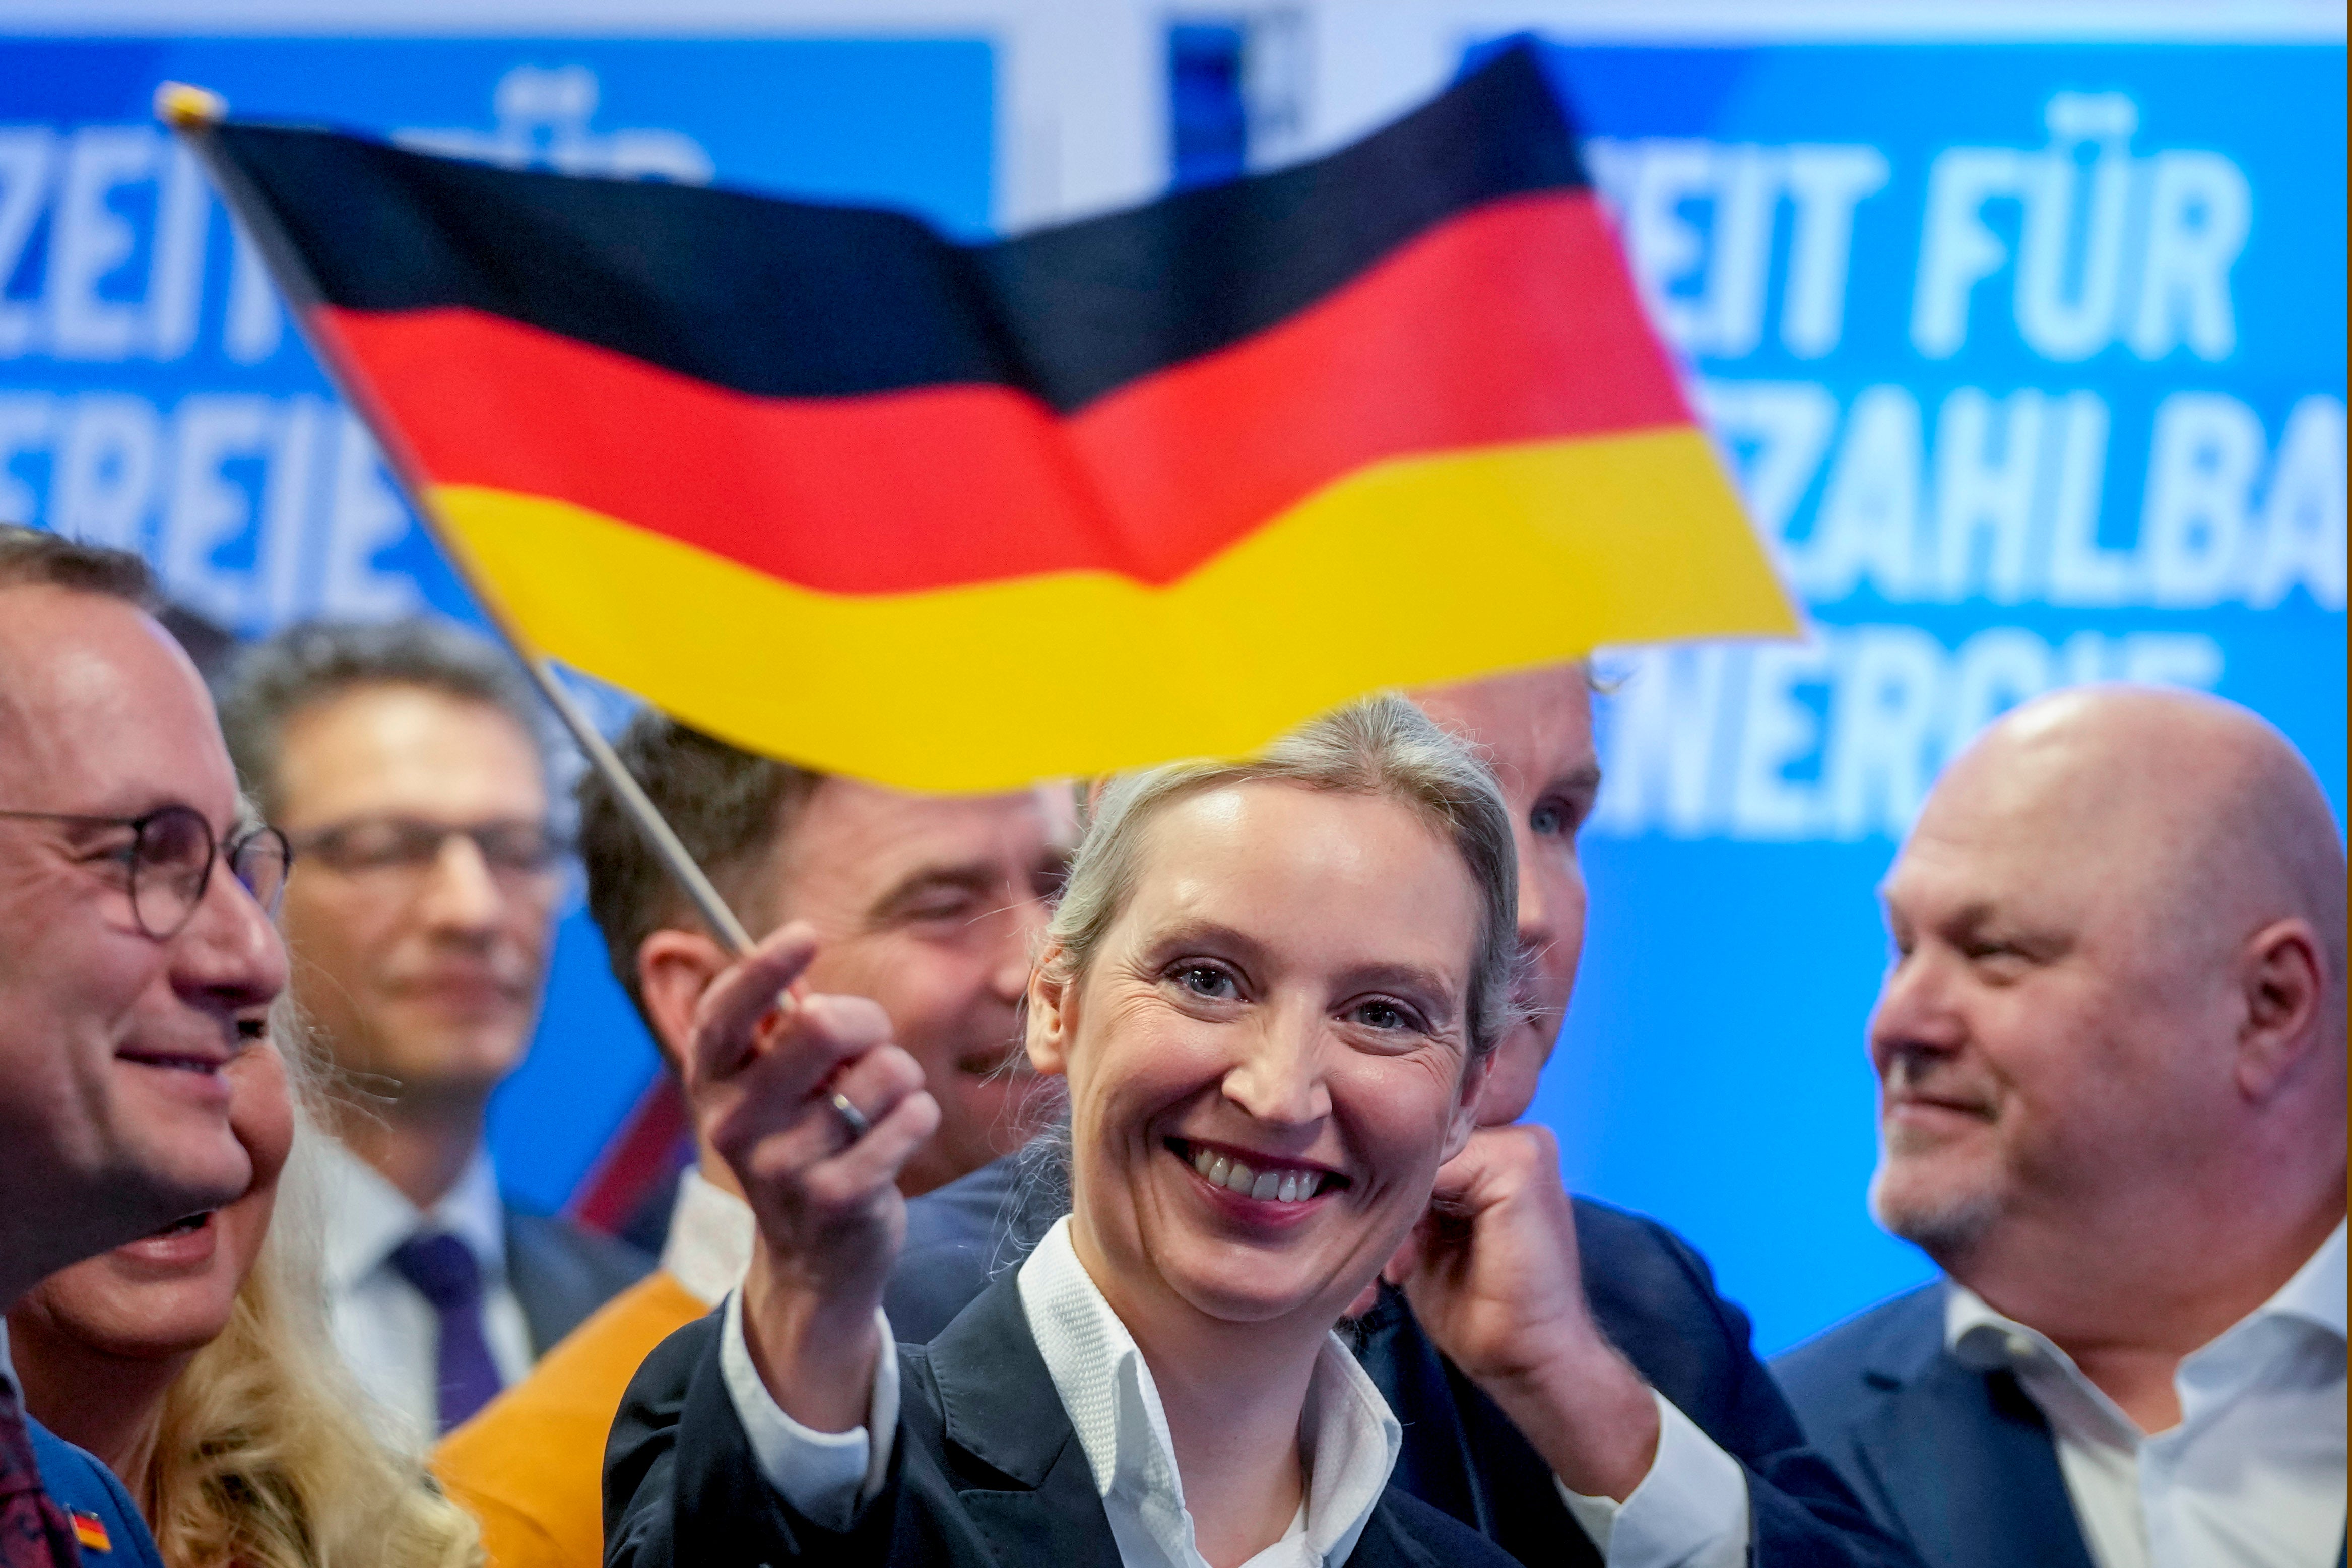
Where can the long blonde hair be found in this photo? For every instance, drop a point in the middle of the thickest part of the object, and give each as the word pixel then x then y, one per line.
pixel 266 1458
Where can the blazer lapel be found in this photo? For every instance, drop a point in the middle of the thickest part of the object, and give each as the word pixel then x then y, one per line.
pixel 1460 1454
pixel 1966 1461
pixel 1016 1464
pixel 1435 1463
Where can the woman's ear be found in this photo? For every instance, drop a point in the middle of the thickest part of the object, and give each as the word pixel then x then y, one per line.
pixel 1052 1013
pixel 673 968
pixel 1464 1118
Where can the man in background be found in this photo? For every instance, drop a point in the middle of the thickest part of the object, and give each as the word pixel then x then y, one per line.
pixel 2111 1052
pixel 137 961
pixel 928 905
pixel 405 763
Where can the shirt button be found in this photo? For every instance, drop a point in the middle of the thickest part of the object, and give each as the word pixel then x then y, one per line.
pixel 2020 1348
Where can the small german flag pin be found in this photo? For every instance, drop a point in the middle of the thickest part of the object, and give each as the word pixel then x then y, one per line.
pixel 90 1531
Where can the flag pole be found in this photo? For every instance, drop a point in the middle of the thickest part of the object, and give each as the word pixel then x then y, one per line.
pixel 192 112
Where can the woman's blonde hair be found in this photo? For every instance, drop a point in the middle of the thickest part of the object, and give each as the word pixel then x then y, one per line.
pixel 1379 745
pixel 267 1457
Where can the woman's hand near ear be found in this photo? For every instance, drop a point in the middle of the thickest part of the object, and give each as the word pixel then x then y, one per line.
pixel 762 1070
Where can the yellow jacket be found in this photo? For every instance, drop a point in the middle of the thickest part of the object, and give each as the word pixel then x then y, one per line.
pixel 530 1463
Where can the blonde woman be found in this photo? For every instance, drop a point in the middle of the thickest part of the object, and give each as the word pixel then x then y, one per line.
pixel 1271 991
pixel 195 1364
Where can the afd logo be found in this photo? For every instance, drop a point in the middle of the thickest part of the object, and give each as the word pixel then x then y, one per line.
pixel 107 231
pixel 542 123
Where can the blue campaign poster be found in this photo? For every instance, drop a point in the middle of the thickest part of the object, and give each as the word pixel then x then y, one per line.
pixel 153 396
pixel 2030 360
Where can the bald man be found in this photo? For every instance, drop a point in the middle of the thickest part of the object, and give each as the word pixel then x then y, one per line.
pixel 2111 1051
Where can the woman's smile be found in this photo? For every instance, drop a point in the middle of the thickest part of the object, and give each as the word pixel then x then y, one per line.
pixel 1257 1191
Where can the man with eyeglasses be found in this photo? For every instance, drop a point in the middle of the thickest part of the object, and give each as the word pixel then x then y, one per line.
pixel 137 960
pixel 405 763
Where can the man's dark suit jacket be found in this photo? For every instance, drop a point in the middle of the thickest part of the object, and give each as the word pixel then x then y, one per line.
pixel 985 1470
pixel 1651 1294
pixel 561 1273
pixel 79 1483
pixel 1957 1461
pixel 1960 1462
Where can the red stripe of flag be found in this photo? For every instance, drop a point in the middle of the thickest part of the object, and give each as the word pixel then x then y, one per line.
pixel 1455 340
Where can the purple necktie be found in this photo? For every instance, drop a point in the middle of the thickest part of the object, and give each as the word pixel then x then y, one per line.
pixel 443 1269
pixel 33 1528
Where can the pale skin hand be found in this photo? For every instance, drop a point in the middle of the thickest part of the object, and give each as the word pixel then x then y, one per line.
pixel 830 1218
pixel 1492 1273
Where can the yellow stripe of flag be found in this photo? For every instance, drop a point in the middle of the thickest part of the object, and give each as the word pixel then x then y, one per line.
pixel 1411 572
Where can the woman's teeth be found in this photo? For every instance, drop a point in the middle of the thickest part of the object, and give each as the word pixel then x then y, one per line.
pixel 1270 1186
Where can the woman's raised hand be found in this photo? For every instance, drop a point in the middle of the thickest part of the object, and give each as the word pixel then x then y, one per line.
pixel 767 1072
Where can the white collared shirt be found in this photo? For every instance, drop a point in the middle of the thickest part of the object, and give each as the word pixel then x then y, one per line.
pixel 709 1244
pixel 1689 1512
pixel 1349 1436
pixel 1114 1407
pixel 2252 1478
pixel 388 1333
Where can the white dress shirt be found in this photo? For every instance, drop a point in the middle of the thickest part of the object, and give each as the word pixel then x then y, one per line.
pixel 387 1333
pixel 1349 1436
pixel 1689 1512
pixel 710 1243
pixel 2252 1478
pixel 828 1476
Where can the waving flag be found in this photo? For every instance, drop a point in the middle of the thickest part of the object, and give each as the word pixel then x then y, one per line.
pixel 1160 483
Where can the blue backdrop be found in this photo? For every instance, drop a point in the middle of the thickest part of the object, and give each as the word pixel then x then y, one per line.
pixel 2030 360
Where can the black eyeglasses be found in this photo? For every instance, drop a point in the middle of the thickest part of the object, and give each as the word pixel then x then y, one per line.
pixel 403 847
pixel 168 862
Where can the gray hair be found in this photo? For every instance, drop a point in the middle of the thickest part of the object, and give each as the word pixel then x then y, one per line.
pixel 303 667
pixel 1382 746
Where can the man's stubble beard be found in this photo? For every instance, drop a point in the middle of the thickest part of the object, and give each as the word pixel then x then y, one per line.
pixel 1945 1225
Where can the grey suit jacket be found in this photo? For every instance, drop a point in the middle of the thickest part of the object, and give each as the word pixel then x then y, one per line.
pixel 562 1273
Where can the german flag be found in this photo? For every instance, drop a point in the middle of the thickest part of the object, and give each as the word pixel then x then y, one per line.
pixel 953 517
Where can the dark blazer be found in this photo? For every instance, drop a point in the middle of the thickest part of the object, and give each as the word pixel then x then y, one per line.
pixel 1960 1462
pixel 985 1470
pixel 1651 1294
pixel 561 1273
pixel 80 1484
